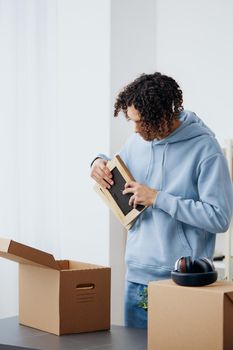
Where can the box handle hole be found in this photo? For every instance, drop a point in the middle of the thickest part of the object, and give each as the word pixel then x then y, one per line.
pixel 85 286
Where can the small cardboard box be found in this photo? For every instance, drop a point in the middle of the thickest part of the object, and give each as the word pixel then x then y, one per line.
pixel 194 318
pixel 60 296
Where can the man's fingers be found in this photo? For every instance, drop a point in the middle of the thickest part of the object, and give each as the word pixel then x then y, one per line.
pixel 133 201
pixel 107 179
pixel 102 181
pixel 102 175
pixel 107 175
pixel 106 171
pixel 128 190
pixel 130 184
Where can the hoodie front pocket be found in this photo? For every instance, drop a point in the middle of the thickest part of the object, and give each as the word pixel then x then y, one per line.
pixel 183 238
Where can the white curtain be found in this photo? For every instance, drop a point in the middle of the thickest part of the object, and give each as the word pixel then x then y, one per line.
pixel 28 206
pixel 54 118
pixel 28 209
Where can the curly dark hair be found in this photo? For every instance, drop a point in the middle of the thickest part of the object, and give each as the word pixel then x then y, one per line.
pixel 157 98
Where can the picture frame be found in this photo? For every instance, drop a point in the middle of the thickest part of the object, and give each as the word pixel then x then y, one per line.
pixel 115 199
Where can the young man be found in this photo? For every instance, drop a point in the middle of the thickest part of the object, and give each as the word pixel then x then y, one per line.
pixel 181 175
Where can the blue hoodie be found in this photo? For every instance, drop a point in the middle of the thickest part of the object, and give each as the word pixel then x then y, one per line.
pixel 194 201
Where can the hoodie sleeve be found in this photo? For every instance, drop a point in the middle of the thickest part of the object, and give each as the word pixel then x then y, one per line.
pixel 213 210
pixel 123 153
pixel 102 156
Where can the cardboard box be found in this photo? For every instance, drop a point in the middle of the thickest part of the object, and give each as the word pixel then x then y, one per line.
pixel 194 318
pixel 60 296
pixel 114 198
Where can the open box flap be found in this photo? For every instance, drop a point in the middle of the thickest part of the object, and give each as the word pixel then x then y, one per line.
pixel 24 254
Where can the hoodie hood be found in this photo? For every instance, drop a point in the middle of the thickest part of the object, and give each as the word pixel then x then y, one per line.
pixel 191 126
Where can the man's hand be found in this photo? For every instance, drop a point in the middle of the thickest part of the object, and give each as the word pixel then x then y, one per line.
pixel 101 174
pixel 142 194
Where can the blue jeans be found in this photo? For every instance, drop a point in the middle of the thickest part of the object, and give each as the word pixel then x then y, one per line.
pixel 135 316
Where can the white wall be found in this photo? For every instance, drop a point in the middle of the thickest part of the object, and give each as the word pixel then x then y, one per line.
pixel 83 70
pixel 194 45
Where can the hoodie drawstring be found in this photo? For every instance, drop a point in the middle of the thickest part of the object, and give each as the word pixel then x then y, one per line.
pixel 150 162
pixel 163 163
pixel 150 165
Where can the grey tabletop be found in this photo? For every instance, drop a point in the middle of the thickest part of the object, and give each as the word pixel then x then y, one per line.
pixel 15 336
